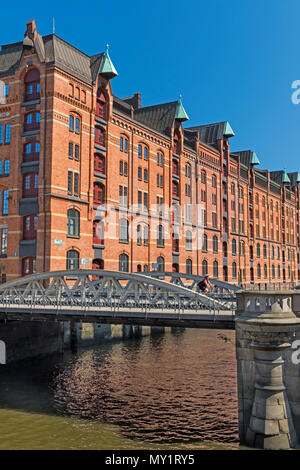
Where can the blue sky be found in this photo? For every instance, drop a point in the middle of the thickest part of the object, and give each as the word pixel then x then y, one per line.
pixel 231 60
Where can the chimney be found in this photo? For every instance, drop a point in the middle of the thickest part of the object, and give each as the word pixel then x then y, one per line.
pixel 31 31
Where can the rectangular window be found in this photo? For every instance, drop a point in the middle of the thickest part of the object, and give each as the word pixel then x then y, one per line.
pixel 140 154
pixel 125 145
pixel 37 147
pixel 233 225
pixel 71 150
pixel 161 181
pixel 70 182
pixel 6 167
pixel 214 199
pixel 6 90
pixel 36 181
pixel 121 168
pixel 77 125
pixel 76 184
pixel 7 133
pixel 157 180
pixel 77 153
pixel 0 167
pixel 214 219
pixel 121 144
pixel 5 202
pixel 1 134
pixel 37 117
pixel 139 173
pixel 188 212
pixel 145 153
pixel 140 200
pixel 71 123
pixel 125 169
pixel 4 241
pixel 146 176
pixel 145 202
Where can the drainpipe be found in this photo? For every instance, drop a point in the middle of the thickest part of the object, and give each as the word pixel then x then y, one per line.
pixel 44 172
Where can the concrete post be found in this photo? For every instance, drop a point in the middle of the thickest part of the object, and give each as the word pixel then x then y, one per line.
pixel 265 328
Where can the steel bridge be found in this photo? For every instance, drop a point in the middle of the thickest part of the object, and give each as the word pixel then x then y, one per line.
pixel 84 295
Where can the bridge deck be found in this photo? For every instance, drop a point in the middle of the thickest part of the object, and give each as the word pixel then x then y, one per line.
pixel 153 317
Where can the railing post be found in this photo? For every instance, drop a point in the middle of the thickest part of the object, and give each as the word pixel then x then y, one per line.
pixel 265 328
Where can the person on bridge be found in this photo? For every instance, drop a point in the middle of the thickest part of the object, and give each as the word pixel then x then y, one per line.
pixel 204 285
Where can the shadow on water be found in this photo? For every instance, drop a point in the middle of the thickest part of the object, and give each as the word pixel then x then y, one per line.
pixel 172 388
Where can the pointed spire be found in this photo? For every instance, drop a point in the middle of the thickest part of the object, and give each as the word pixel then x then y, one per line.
pixel 107 69
pixel 285 178
pixel 180 113
pixel 227 131
pixel 254 159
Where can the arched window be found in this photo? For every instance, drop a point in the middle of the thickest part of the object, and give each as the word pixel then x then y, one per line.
pixel 214 181
pixel 139 234
pixel 234 270
pixel 234 246
pixel 99 193
pixel 175 268
pixel 265 271
pixel 188 240
pixel 98 232
pixel 73 223
pixel 215 244
pixel 123 230
pixel 188 171
pixel 32 85
pixel 242 248
pixel 98 264
pixel 145 268
pixel 160 236
pixel 203 177
pixel 160 159
pixel 204 268
pixel 215 269
pixel 258 271
pixel 161 264
pixel 265 251
pixel 123 263
pixel 72 259
pixel 204 242
pixel 101 104
pixel 258 250
pixel 189 266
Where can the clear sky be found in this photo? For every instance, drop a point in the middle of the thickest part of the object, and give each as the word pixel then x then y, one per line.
pixel 231 60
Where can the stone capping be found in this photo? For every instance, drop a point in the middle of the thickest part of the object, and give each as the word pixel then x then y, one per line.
pixel 268 307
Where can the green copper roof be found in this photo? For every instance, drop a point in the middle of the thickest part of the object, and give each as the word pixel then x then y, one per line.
pixel 180 113
pixel 285 178
pixel 254 159
pixel 227 131
pixel 107 69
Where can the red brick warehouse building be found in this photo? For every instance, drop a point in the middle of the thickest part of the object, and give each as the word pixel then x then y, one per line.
pixel 68 145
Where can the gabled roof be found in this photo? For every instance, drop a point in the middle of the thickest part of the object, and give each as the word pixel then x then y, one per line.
pixel 159 117
pixel 294 178
pixel 280 176
pixel 211 133
pixel 53 50
pixel 247 157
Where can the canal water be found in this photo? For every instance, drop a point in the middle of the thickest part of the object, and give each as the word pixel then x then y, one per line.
pixel 171 391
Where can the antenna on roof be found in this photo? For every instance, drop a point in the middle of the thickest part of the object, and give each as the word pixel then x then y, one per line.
pixel 53 26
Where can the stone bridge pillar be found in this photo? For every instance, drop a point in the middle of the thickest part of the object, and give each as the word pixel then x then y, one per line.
pixel 265 327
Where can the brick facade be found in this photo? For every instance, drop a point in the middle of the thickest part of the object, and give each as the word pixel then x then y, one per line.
pixel 89 148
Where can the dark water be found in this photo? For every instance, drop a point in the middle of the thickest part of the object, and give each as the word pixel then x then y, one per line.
pixel 176 390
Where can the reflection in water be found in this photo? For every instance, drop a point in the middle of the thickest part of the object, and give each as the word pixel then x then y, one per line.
pixel 174 388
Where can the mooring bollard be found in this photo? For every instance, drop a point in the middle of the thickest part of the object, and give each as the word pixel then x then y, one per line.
pixel 265 328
